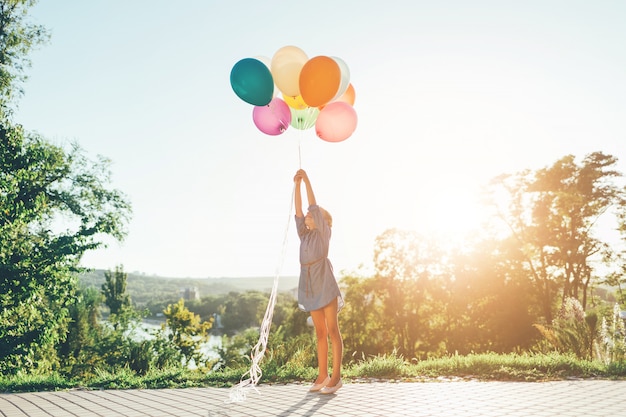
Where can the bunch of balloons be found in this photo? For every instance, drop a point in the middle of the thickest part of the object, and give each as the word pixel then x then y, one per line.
pixel 293 90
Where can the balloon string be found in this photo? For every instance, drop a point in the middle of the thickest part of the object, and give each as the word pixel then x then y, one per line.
pixel 239 392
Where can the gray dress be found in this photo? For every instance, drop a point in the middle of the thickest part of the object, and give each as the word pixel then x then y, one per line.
pixel 317 286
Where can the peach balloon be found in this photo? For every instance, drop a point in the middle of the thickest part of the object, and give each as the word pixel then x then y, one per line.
pixel 336 122
pixel 286 65
pixel 349 96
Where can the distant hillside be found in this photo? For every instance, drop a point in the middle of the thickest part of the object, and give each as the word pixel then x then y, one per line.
pixel 143 288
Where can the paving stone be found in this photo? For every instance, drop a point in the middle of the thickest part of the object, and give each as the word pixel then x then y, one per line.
pixel 591 398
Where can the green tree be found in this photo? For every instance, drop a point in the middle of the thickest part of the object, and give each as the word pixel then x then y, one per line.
pixel 17 38
pixel 361 322
pixel 55 205
pixel 114 290
pixel 76 352
pixel 186 331
pixel 243 310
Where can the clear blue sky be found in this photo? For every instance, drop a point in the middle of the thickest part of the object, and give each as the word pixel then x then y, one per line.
pixel 449 94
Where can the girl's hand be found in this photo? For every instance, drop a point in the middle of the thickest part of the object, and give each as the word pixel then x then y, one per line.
pixel 302 175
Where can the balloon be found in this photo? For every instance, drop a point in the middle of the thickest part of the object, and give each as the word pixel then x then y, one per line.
pixel 268 63
pixel 304 118
pixel 272 119
pixel 286 65
pixel 345 77
pixel 252 81
pixel 319 80
pixel 336 122
pixel 295 102
pixel 349 96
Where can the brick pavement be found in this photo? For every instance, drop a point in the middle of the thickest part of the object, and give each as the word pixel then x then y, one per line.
pixel 593 398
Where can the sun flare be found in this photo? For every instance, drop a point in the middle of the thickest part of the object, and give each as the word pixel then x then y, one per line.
pixel 452 214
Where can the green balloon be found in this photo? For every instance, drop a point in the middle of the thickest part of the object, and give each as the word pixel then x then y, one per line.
pixel 305 118
pixel 252 81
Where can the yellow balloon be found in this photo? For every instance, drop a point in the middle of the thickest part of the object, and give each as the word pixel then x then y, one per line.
pixel 295 102
pixel 286 65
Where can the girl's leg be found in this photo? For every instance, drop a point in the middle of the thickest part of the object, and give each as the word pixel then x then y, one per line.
pixel 321 331
pixel 332 324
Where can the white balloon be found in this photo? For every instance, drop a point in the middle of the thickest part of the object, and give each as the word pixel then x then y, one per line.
pixel 345 77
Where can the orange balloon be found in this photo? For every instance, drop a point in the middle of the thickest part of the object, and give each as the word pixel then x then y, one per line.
pixel 320 78
pixel 349 96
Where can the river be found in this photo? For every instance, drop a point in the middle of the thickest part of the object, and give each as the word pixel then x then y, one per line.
pixel 147 329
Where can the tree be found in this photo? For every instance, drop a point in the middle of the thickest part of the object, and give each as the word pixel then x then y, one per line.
pixel 17 38
pixel 486 300
pixel 76 352
pixel 55 204
pixel 114 290
pixel 406 263
pixel 553 214
pixel 243 310
pixel 186 330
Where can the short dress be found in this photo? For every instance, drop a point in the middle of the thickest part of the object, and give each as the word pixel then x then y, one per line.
pixel 317 286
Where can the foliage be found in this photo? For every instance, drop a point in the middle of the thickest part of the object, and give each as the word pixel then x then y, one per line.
pixel 381 366
pixel 94 346
pixel 76 351
pixel 243 310
pixel 572 331
pixel 485 366
pixel 612 338
pixel 552 215
pixel 17 38
pixel 234 352
pixel 54 206
pixel 114 290
pixel 466 301
pixel 514 367
pixel 186 331
pixel 156 292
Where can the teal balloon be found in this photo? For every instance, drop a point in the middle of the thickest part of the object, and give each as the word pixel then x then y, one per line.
pixel 252 82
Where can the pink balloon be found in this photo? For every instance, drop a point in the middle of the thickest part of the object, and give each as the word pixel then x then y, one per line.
pixel 272 119
pixel 336 122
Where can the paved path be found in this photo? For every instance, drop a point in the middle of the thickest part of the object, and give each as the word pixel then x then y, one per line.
pixel 495 399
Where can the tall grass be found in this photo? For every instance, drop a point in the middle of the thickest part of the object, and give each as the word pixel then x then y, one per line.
pixel 491 366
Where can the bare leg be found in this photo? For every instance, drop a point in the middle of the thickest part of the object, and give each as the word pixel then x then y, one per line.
pixel 332 324
pixel 321 331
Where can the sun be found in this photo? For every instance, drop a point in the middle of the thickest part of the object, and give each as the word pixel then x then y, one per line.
pixel 452 214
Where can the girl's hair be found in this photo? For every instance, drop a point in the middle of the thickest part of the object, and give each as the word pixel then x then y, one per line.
pixel 327 216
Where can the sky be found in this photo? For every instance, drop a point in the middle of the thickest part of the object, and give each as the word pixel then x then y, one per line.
pixel 449 94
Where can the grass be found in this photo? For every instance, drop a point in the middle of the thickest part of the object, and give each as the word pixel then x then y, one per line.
pixel 483 367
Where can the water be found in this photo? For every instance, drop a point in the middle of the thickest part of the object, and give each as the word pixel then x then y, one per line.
pixel 146 331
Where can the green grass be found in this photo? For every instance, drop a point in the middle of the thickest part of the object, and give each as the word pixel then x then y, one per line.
pixel 484 367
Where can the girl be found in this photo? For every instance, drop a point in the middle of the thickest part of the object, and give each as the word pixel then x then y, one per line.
pixel 318 292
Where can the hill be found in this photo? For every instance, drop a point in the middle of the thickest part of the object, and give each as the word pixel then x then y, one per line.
pixel 144 288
